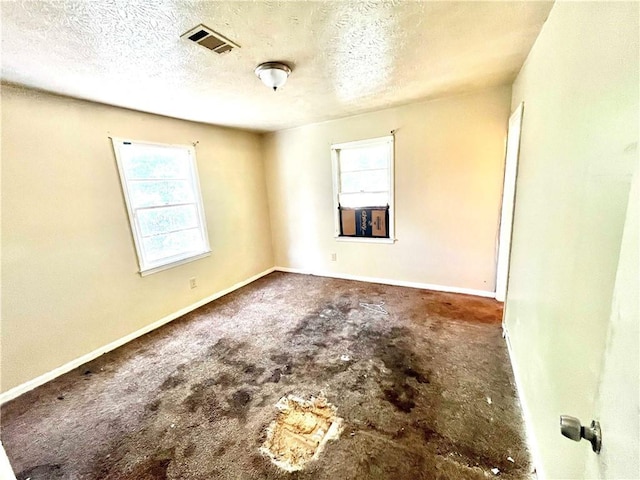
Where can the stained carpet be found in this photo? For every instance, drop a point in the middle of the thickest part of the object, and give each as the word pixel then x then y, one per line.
pixel 425 391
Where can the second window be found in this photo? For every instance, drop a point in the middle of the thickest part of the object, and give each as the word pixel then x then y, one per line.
pixel 363 188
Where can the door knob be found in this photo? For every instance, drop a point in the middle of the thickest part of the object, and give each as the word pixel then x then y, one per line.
pixel 571 428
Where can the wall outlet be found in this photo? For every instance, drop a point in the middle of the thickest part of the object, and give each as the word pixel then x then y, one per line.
pixel 192 282
pixel 334 257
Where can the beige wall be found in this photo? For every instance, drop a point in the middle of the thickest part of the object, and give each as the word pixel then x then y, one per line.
pixel 69 268
pixel 579 144
pixel 448 181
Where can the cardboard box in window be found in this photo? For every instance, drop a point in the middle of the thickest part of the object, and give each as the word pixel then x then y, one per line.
pixel 369 222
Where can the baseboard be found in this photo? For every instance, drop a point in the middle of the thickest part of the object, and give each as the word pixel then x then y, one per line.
pixel 528 423
pixel 6 472
pixel 386 281
pixel 67 367
pixel 46 377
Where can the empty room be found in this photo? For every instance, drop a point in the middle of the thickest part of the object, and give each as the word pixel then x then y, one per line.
pixel 319 240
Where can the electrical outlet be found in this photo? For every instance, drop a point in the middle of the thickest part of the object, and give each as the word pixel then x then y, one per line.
pixel 192 282
pixel 334 257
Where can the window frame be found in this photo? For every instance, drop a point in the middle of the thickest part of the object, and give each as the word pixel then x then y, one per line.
pixel 147 267
pixel 335 167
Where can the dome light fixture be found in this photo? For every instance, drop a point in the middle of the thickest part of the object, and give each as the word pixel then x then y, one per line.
pixel 273 74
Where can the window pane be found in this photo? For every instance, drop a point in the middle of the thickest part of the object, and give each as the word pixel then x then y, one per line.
pixel 352 200
pixel 143 162
pixel 364 181
pixel 176 243
pixel 163 220
pixel 364 158
pixel 164 192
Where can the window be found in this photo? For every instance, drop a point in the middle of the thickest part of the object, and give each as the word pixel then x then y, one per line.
pixel 162 193
pixel 363 190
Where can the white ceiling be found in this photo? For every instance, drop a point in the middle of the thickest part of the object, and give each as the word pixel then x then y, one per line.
pixel 347 57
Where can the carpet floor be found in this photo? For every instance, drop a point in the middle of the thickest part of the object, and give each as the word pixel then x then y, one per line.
pixel 425 390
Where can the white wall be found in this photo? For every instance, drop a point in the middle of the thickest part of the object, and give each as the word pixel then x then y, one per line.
pixel 579 144
pixel 449 158
pixel 69 270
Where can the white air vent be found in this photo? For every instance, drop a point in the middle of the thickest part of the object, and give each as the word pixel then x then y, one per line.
pixel 209 39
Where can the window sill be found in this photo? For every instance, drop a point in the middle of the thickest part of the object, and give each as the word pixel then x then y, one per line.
pixel 365 240
pixel 166 266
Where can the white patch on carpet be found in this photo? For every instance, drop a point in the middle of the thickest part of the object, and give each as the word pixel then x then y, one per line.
pixel 300 431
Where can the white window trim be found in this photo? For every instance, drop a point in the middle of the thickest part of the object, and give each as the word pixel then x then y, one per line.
pixel 340 238
pixel 388 139
pixel 176 260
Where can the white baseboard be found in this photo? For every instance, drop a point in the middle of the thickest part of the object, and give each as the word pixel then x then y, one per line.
pixel 386 281
pixel 528 422
pixel 46 377
pixel 6 472
pixel 67 367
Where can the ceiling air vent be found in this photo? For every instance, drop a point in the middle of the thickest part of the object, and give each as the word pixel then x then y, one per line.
pixel 209 39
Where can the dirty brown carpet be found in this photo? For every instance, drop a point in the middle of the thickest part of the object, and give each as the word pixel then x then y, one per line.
pixel 426 392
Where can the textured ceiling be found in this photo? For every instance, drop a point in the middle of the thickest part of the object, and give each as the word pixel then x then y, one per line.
pixel 347 57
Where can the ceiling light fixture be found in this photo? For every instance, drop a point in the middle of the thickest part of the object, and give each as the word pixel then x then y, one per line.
pixel 273 74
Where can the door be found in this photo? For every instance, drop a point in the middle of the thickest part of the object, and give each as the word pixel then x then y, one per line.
pixel 6 473
pixel 617 403
pixel 508 199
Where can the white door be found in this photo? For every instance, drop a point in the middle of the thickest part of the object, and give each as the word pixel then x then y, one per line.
pixel 617 406
pixel 508 198
pixel 6 473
